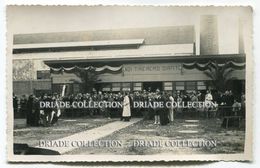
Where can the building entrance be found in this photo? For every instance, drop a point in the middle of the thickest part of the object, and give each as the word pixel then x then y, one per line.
pixel 152 86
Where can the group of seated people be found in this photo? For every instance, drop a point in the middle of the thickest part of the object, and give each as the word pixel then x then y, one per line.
pixel 227 102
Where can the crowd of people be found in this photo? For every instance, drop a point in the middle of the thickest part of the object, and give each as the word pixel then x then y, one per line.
pixel 228 104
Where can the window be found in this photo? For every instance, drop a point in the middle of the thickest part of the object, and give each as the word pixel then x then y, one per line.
pixel 44 74
pixel 116 87
pixel 106 87
pixel 137 86
pixel 190 86
pixel 126 86
pixel 167 85
pixel 179 85
pixel 201 85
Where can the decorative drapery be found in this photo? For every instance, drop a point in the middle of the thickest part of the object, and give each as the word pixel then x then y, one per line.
pixel 205 66
pixel 89 68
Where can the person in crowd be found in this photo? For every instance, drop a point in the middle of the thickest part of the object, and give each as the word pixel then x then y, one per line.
pixel 117 111
pixel 171 109
pixel 227 102
pixel 151 110
pixel 157 109
pixel 236 107
pixel 164 111
pixel 146 98
pixel 91 110
pixel 102 98
pixel 126 114
pixel 224 98
pixel 200 96
pixel 218 97
pixel 131 99
pixel 99 97
pixel 208 96
pixel 23 105
pixel 145 111
pixel 41 111
pixel 231 98
pixel 84 111
pixel 179 101
pixel 194 99
pixel 243 105
pixel 36 112
pixel 185 101
pixel 137 98
pixel 162 116
pixel 224 108
pixel 208 102
pixel 29 111
pixel 200 109
pixel 71 109
pixel 47 111
pixel 95 98
pixel 15 104
pixel 110 111
pixel 56 112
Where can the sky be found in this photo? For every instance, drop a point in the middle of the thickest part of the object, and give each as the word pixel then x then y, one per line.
pixel 43 19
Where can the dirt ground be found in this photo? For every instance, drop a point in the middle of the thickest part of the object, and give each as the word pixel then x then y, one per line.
pixel 64 127
pixel 228 140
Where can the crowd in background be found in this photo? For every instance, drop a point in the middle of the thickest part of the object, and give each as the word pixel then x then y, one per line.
pixel 228 104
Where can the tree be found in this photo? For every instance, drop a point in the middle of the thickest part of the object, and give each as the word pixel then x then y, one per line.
pixel 220 75
pixel 88 78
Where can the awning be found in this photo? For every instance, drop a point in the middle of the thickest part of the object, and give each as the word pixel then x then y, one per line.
pixel 102 69
pixel 205 66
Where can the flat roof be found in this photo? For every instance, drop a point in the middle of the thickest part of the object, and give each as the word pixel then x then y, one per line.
pixel 80 44
pixel 103 53
pixel 117 61
pixel 152 35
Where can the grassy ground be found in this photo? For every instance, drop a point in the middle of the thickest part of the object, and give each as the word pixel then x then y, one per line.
pixel 228 140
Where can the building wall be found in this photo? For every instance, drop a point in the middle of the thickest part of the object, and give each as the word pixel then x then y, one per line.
pixel 159 72
pixel 28 87
pixel 209 35
pixel 26 69
pixel 146 72
pixel 25 77
pixel 65 78
pixel 134 76
pixel 143 51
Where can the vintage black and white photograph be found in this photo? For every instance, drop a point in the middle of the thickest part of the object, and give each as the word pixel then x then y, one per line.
pixel 128 83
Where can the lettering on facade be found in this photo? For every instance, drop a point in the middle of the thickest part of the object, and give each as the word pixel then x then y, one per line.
pixel 168 68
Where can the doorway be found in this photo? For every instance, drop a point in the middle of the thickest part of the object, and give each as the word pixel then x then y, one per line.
pixel 152 86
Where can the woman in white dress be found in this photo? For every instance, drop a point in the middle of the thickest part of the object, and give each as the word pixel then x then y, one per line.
pixel 208 101
pixel 171 110
pixel 126 108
